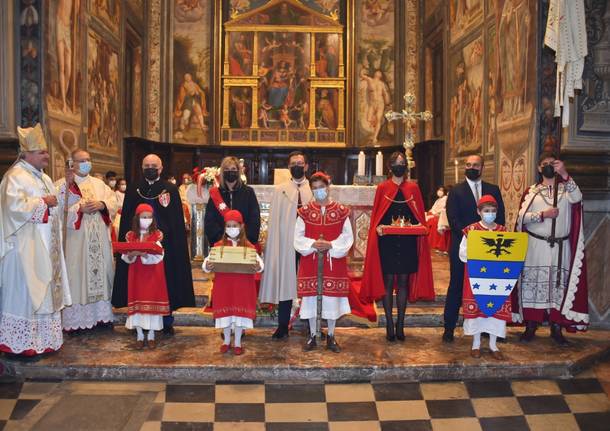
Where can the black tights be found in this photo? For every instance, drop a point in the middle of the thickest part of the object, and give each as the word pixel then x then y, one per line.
pixel 401 301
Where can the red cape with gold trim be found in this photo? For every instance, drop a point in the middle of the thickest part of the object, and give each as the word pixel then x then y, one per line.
pixel 421 284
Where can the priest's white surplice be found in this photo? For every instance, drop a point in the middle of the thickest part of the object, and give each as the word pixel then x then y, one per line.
pixel 89 256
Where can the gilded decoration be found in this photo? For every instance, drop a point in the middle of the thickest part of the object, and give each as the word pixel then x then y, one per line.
pixel 283 75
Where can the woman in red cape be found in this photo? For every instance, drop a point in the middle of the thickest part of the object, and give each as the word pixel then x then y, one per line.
pixel 390 198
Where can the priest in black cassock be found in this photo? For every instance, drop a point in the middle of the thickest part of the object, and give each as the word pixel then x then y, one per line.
pixel 165 200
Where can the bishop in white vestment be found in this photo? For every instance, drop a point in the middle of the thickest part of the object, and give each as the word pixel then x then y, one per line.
pixel 33 279
pixel 88 248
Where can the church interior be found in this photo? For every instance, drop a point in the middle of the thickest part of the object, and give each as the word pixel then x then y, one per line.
pixel 348 83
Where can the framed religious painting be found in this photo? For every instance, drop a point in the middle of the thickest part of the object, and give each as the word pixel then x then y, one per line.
pixel 103 96
pixel 283 73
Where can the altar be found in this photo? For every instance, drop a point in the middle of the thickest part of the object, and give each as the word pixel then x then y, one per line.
pixel 358 198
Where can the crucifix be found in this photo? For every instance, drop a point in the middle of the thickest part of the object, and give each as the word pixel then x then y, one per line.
pixel 409 118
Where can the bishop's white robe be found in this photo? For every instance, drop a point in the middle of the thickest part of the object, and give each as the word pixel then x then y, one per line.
pixel 33 278
pixel 89 256
pixel 279 280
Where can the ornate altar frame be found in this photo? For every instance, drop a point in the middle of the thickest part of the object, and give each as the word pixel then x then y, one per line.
pixel 310 135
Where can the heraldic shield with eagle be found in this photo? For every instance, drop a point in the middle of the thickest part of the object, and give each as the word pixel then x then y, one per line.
pixel 495 261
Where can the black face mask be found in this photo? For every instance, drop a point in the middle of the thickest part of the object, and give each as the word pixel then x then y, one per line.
pixel 472 174
pixel 297 172
pixel 548 171
pixel 230 176
pixel 398 170
pixel 151 174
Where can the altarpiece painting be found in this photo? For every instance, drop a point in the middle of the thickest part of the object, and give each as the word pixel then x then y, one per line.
pixel 283 76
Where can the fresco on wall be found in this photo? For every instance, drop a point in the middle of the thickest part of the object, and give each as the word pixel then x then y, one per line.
pixel 375 71
pixel 136 92
pixel 515 96
pixel 465 100
pixel 464 15
pixel 63 56
pixel 108 12
pixel 492 79
pixel 191 71
pixel 102 97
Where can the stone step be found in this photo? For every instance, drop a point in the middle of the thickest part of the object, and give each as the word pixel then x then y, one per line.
pixel 192 355
pixel 429 316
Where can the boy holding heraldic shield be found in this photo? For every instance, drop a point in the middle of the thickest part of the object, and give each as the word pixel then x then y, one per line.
pixel 490 275
pixel 234 293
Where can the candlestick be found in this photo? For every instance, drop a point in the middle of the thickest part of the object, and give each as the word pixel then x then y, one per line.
pixel 379 164
pixel 455 164
pixel 361 163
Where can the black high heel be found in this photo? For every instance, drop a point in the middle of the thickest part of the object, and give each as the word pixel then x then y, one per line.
pixel 389 332
pixel 400 333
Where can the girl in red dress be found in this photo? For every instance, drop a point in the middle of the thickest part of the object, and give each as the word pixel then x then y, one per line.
pixel 147 298
pixel 233 295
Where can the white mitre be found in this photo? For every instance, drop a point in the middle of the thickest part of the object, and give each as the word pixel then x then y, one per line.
pixel 32 139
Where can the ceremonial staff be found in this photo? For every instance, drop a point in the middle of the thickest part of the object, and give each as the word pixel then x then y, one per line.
pixel 553 239
pixel 64 227
pixel 319 292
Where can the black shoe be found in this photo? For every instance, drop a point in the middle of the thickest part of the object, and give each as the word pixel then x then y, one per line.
pixel 389 332
pixel 529 333
pixel 448 336
pixel 311 344
pixel 23 358
pixel 169 331
pixel 104 326
pixel 501 340
pixel 281 333
pixel 400 333
pixel 557 336
pixel 332 345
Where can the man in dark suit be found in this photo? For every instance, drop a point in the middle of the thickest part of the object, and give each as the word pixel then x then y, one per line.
pixel 461 212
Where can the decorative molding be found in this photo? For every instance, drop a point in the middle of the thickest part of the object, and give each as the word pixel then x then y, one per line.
pixel 153 128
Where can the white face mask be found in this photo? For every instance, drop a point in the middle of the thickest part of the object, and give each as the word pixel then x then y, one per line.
pixel 123 187
pixel 112 183
pixel 145 223
pixel 233 232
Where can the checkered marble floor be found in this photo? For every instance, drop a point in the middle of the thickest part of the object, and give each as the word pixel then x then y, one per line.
pixel 576 404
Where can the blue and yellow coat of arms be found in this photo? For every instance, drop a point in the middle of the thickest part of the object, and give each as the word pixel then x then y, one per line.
pixel 494 262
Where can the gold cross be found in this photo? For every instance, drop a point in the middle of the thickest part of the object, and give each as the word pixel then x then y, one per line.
pixel 409 117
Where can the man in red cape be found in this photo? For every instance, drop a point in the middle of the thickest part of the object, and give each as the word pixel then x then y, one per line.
pixel 421 283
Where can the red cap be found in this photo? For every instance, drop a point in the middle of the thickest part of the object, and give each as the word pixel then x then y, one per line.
pixel 487 200
pixel 143 208
pixel 325 177
pixel 233 215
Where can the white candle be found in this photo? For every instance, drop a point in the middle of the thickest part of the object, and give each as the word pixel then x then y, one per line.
pixel 379 164
pixel 455 164
pixel 361 163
